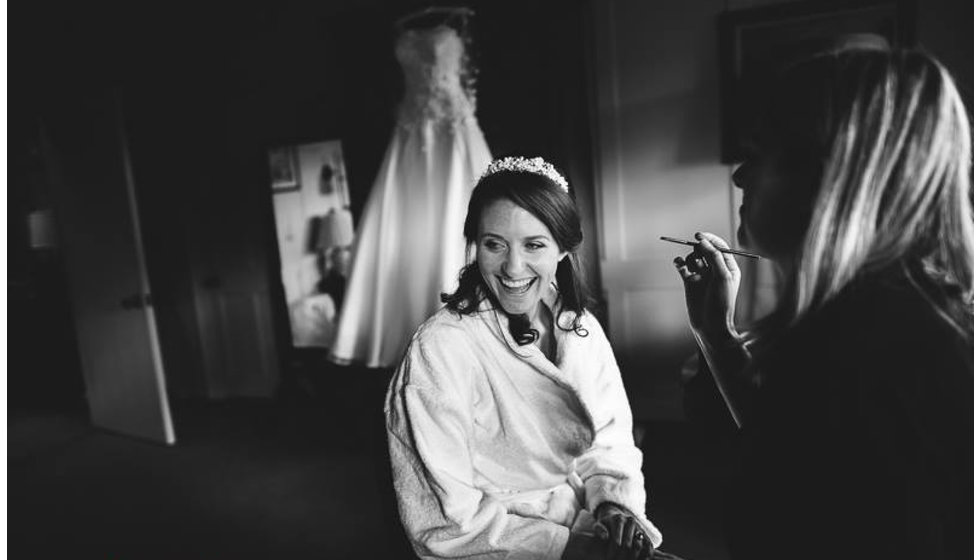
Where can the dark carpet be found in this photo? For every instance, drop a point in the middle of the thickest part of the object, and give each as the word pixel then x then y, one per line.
pixel 288 478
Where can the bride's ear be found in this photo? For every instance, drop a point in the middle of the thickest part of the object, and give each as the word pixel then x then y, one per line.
pixel 562 256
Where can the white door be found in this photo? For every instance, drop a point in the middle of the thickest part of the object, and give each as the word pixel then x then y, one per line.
pixel 658 174
pixel 87 161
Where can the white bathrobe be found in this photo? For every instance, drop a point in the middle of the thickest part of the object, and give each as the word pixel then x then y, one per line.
pixel 497 452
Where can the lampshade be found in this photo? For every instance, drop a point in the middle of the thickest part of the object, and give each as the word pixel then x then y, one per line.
pixel 336 229
pixel 43 234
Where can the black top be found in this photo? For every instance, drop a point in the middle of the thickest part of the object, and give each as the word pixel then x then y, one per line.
pixel 861 442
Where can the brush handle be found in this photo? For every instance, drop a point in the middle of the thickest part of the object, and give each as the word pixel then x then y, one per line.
pixel 695 244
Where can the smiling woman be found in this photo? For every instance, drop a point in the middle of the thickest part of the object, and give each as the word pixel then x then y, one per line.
pixel 525 227
pixel 508 425
pixel 517 258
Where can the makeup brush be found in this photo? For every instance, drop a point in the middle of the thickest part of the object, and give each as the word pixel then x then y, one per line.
pixel 695 244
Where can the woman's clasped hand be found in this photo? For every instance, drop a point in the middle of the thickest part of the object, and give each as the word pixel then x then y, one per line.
pixel 619 528
pixel 616 535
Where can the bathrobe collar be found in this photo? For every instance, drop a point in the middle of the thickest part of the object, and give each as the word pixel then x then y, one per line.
pixel 498 322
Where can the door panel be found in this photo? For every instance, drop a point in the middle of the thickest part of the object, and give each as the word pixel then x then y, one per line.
pixel 86 157
pixel 236 338
pixel 657 174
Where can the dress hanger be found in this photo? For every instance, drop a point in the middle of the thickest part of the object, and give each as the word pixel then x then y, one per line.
pixel 433 13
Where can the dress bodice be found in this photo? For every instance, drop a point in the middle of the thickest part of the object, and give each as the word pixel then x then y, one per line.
pixel 432 65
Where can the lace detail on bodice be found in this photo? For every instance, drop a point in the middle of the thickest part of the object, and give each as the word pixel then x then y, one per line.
pixel 432 63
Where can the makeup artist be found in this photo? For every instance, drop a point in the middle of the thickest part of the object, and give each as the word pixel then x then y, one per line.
pixel 854 397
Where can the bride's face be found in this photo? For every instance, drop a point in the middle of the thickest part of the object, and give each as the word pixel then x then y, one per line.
pixel 517 256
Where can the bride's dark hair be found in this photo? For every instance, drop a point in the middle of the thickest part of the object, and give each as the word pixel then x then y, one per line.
pixel 556 209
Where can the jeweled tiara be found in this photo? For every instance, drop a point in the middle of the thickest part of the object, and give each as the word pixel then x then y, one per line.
pixel 536 165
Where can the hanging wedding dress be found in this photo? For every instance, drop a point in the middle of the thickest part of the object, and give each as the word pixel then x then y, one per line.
pixel 409 245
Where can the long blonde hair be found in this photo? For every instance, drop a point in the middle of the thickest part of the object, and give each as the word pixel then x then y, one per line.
pixel 895 192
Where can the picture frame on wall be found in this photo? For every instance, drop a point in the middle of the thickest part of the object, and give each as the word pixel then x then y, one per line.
pixel 284 169
pixel 755 43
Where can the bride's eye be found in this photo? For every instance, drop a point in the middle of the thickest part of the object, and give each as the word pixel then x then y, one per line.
pixel 492 245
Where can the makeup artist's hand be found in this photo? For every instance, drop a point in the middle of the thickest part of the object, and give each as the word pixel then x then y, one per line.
pixel 711 280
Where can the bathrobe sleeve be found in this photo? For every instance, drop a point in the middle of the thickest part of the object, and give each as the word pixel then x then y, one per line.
pixel 429 429
pixel 611 468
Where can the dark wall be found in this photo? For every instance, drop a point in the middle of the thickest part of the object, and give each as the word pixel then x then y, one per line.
pixel 206 92
pixel 946 29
